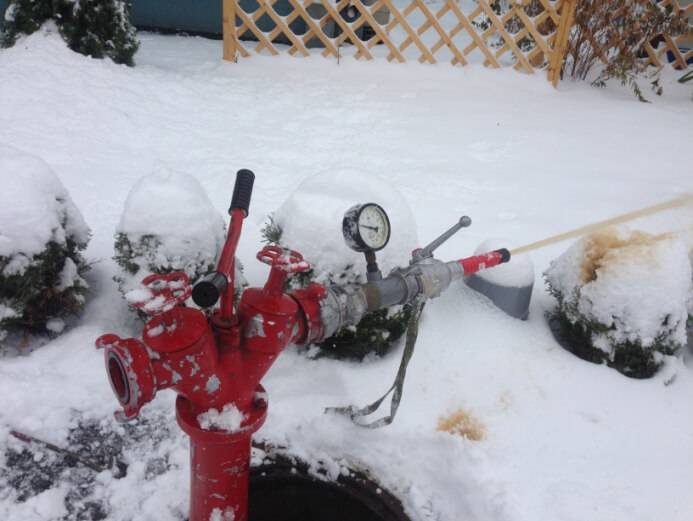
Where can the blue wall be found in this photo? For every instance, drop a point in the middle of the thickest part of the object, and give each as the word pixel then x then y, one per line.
pixel 3 6
pixel 201 16
pixel 197 16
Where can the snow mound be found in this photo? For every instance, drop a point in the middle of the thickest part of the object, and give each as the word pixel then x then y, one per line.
pixel 35 209
pixel 168 224
pixel 174 206
pixel 518 273
pixel 311 220
pixel 636 286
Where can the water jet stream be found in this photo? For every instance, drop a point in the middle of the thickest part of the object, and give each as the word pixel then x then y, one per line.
pixel 583 230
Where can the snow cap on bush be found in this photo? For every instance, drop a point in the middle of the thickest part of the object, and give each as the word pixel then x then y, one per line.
pixel 625 288
pixel 168 224
pixel 311 220
pixel 35 209
pixel 41 235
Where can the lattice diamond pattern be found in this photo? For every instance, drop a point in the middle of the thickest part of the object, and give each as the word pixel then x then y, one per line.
pixel 523 36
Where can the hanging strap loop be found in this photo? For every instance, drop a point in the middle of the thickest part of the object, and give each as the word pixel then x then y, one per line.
pixel 358 415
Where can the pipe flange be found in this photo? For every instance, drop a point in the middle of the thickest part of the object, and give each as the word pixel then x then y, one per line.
pixel 255 417
pixel 130 373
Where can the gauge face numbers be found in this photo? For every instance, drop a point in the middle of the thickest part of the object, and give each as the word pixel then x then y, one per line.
pixel 374 226
pixel 366 227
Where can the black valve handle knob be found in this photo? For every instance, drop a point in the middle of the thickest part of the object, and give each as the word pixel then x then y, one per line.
pixel 242 191
pixel 207 291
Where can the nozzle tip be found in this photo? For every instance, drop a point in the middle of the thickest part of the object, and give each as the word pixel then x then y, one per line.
pixel 505 254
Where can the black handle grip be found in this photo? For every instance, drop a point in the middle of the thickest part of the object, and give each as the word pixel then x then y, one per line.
pixel 207 291
pixel 242 191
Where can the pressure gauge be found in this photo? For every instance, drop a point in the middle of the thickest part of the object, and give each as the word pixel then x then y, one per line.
pixel 366 227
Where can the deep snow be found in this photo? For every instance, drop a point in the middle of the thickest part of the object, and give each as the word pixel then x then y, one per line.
pixel 565 439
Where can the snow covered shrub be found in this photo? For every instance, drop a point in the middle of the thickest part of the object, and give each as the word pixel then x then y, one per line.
pixel 310 222
pixel 168 224
pixel 101 29
pixel 617 30
pixel 23 17
pixel 96 28
pixel 42 235
pixel 623 298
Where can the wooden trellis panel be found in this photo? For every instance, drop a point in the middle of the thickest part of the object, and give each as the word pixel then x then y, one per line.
pixel 415 29
pixel 529 35
pixel 659 56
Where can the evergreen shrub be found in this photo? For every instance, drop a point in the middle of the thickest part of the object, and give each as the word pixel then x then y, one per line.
pixel 623 299
pixel 42 237
pixel 96 28
pixel 168 224
pixel 310 221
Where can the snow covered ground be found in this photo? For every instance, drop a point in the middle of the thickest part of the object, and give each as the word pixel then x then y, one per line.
pixel 564 439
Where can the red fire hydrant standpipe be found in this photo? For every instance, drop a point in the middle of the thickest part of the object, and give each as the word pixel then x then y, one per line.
pixel 215 364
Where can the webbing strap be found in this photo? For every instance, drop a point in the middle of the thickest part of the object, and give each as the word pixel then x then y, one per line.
pixel 356 414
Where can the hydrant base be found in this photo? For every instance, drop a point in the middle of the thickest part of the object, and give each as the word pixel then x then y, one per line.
pixel 219 463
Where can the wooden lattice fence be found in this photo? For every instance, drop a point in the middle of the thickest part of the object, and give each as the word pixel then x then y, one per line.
pixel 528 35
pixel 673 44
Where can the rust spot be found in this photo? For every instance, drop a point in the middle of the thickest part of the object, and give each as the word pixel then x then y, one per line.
pixel 462 423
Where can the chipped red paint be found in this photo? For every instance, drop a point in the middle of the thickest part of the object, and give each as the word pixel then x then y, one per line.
pixel 213 362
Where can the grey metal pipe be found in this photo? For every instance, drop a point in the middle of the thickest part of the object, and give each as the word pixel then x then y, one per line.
pixel 429 278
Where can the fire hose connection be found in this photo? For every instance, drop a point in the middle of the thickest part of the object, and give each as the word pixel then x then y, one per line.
pixel 217 362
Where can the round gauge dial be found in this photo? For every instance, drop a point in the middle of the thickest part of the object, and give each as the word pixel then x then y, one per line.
pixel 366 227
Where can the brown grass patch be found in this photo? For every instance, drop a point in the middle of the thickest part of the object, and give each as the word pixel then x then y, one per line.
pixel 462 423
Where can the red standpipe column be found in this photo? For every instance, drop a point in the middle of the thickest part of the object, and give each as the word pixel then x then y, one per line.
pixel 219 464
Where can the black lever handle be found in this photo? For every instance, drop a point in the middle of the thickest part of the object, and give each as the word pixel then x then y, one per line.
pixel 207 291
pixel 242 191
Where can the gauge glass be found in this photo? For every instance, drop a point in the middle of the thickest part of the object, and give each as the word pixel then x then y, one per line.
pixel 374 227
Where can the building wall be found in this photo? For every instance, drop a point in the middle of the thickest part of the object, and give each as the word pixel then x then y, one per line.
pixel 195 16
pixel 3 6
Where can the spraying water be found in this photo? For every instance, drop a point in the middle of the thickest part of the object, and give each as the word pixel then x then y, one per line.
pixel 674 203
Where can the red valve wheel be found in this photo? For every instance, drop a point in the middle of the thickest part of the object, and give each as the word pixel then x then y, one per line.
pixel 167 291
pixel 283 259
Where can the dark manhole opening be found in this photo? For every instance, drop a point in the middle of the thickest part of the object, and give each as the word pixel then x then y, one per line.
pixel 286 492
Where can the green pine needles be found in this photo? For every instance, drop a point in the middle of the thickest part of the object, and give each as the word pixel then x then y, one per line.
pixel 629 358
pixel 141 255
pixel 24 17
pixel 96 28
pixel 50 288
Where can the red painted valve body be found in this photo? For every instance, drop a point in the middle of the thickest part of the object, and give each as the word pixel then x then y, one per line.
pixel 211 364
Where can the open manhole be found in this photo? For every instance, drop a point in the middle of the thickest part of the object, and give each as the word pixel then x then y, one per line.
pixel 284 491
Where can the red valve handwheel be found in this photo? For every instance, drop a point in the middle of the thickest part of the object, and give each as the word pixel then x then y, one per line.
pixel 283 259
pixel 168 291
